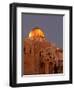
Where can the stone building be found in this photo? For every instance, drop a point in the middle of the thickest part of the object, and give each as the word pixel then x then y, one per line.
pixel 41 57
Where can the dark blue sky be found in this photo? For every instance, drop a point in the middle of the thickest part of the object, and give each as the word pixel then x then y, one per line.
pixel 52 26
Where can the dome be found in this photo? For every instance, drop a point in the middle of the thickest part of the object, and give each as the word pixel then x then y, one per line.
pixel 36 32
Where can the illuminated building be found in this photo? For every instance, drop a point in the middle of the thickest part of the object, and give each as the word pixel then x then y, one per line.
pixel 41 56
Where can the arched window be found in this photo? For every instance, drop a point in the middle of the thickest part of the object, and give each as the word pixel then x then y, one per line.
pixel 42 68
pixel 30 50
pixel 24 50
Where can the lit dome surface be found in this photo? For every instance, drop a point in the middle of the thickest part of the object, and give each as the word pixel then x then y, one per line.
pixel 36 32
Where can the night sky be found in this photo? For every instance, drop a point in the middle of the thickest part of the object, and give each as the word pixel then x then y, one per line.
pixel 51 25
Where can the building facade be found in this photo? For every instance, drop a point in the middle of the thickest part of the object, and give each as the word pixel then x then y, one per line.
pixel 41 57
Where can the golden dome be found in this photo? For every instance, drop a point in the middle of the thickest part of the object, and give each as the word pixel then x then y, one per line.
pixel 36 32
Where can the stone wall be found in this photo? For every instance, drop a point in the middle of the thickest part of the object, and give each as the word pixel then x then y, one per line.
pixel 42 58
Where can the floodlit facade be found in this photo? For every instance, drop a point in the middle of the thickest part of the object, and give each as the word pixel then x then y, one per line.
pixel 40 56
